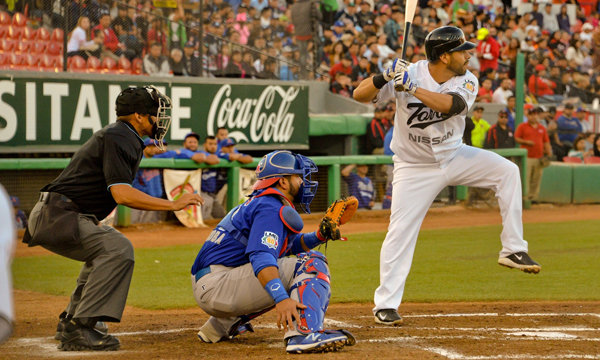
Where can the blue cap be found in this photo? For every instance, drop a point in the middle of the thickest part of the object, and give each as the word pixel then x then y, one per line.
pixel 339 23
pixel 580 109
pixel 226 142
pixel 192 134
pixel 149 142
pixel 15 201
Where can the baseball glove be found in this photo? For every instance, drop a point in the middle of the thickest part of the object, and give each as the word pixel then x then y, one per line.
pixel 545 161
pixel 339 213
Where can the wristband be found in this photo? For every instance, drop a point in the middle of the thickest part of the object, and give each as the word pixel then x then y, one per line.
pixel 379 81
pixel 277 291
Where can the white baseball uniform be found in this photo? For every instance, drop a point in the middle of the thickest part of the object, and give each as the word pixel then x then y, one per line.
pixel 430 155
pixel 7 242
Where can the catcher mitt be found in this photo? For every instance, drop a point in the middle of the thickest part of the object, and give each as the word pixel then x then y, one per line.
pixel 339 213
pixel 545 161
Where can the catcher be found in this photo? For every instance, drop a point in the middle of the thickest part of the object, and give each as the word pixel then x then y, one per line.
pixel 244 268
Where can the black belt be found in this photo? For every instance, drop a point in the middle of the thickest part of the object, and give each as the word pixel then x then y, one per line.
pixel 202 272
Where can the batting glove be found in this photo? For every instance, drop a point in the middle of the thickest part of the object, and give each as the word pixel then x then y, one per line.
pixel 397 66
pixel 402 83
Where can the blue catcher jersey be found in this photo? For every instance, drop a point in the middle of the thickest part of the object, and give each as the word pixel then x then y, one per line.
pixel 248 229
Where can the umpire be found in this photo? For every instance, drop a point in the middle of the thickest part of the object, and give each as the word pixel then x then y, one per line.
pixel 66 218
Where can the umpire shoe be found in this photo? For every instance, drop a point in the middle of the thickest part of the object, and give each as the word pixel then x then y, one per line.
pixel 388 317
pixel 521 261
pixel 63 320
pixel 80 338
pixel 319 342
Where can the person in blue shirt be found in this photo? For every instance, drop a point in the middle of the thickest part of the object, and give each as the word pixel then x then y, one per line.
pixel 360 185
pixel 247 266
pixel 213 179
pixel 20 217
pixel 569 126
pixel 228 152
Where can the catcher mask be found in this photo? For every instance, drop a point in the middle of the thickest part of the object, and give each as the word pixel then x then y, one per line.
pixel 276 164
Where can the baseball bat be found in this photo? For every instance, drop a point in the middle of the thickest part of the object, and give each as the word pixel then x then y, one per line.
pixel 409 14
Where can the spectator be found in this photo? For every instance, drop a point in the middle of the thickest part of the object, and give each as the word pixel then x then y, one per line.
pixel 288 71
pixel 510 109
pixel 78 44
pixel 228 152
pixel 569 127
pixel 503 92
pixel 212 208
pixel 597 145
pixel 176 63
pixel 558 148
pixel 111 42
pixel 485 92
pixel 360 185
pixel 177 30
pixel 586 32
pixel 376 132
pixel 574 52
pixel 157 35
pixel 538 16
pixel 563 20
pixel 579 149
pixel 384 51
pixel 156 64
pixel 533 137
pixel 480 129
pixel 269 70
pixel 234 67
pixel 392 28
pixel 581 115
pixel 457 5
pixel 589 141
pixel 374 65
pixel 344 66
pixel 488 50
pixel 550 20
pixel 500 135
pixel 191 62
pixel 20 218
pixel 539 85
pixel 360 71
pixel 122 24
pixel 247 61
pixel 342 85
pixel 242 28
pixel 304 16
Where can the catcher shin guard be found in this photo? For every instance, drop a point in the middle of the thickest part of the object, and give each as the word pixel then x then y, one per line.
pixel 313 290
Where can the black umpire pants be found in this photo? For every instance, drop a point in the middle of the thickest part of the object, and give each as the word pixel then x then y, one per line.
pixel 104 280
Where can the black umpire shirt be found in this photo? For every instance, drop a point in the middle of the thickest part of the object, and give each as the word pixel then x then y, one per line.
pixel 110 157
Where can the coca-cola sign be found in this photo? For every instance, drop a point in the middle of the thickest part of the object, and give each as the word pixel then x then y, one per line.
pixel 254 120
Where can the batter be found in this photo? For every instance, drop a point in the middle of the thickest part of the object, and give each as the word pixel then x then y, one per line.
pixel 433 96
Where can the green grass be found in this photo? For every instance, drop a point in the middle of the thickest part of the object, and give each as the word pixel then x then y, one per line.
pixel 449 265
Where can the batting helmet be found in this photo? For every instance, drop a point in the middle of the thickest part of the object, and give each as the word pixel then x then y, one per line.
pixel 445 39
pixel 276 164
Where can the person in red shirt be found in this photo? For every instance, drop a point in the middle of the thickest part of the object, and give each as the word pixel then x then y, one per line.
pixel 485 92
pixel 533 136
pixel 344 66
pixel 488 50
pixel 111 42
pixel 538 85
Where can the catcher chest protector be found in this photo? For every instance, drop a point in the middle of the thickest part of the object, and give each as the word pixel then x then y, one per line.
pixel 313 290
pixel 445 39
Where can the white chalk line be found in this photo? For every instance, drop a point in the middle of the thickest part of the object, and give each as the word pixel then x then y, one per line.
pixel 457 356
pixel 495 315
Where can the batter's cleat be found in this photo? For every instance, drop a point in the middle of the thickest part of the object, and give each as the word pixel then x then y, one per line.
pixel 521 261
pixel 388 317
pixel 317 342
pixel 64 319
pixel 85 339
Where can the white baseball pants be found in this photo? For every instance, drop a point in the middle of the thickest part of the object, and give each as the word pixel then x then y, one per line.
pixel 415 186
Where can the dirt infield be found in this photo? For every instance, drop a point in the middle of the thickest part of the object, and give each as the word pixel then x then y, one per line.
pixel 461 331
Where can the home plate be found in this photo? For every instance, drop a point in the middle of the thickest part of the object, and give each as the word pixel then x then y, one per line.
pixel 544 334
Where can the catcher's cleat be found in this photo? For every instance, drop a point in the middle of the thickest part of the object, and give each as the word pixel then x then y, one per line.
pixel 83 338
pixel 521 261
pixel 388 317
pixel 317 342
pixel 242 329
pixel 203 337
pixel 63 320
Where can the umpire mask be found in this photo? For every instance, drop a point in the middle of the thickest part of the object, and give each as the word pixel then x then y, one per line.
pixel 159 110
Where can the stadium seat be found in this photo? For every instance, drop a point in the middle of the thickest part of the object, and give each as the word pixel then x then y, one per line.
pixel 78 64
pixel 54 48
pixel 15 32
pixel 43 34
pixel 94 64
pixel 32 62
pixel 109 66
pixel 29 34
pixel 47 63
pixel 38 47
pixel 57 35
pixel 3 61
pixel 3 31
pixel 16 62
pixel 124 66
pixel 136 67
pixel 22 47
pixel 19 20
pixel 7 45
pixel 592 160
pixel 5 18
pixel 572 160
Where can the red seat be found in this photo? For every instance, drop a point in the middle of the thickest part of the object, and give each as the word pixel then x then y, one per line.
pixel 5 18
pixel 47 62
pixel 22 47
pixel 19 20
pixel 592 160
pixel 57 35
pixel 7 45
pixel 137 67
pixel 572 160
pixel 124 66
pixel 43 34
pixel 29 34
pixel 78 64
pixel 3 61
pixel 16 62
pixel 32 62
pixel 94 65
pixel 38 47
pixel 15 32
pixel 54 48
pixel 3 31
pixel 109 66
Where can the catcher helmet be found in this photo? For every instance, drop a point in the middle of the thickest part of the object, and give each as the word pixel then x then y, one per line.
pixel 445 39
pixel 276 164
